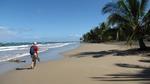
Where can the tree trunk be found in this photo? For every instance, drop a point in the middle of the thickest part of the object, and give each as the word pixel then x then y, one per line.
pixel 117 36
pixel 142 44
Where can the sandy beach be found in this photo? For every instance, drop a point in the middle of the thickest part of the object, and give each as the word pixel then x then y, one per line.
pixel 103 63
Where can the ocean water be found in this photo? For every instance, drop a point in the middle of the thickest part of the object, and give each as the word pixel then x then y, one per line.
pixel 15 52
pixel 47 52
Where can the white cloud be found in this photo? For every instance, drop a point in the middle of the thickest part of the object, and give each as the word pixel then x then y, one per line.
pixel 6 32
pixel 16 34
pixel 75 35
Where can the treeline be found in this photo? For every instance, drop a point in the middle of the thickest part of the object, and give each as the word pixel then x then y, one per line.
pixel 103 33
pixel 128 20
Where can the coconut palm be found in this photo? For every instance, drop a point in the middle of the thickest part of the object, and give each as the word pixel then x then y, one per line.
pixel 147 21
pixel 91 36
pixel 131 15
pixel 103 28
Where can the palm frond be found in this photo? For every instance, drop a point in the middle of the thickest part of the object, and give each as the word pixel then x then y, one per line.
pixel 146 19
pixel 133 6
pixel 116 18
pixel 124 6
pixel 143 6
pixel 110 7
pixel 131 38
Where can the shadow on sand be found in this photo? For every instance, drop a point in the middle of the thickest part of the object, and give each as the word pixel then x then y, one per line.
pixel 131 66
pixel 134 51
pixel 24 68
pixel 145 60
pixel 142 76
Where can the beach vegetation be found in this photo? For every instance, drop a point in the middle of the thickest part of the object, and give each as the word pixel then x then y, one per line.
pixel 127 20
pixel 130 15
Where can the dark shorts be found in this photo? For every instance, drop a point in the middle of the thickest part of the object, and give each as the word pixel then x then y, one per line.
pixel 34 58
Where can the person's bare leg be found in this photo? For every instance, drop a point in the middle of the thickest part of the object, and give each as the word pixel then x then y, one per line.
pixel 34 62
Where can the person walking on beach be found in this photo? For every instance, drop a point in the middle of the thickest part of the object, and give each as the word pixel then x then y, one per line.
pixel 34 54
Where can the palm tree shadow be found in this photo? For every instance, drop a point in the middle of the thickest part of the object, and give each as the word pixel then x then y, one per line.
pixel 134 51
pixel 131 66
pixel 144 75
pixel 146 61
pixel 24 68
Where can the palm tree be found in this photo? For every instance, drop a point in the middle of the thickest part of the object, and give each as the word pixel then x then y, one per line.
pixel 92 36
pixel 147 21
pixel 131 15
pixel 103 28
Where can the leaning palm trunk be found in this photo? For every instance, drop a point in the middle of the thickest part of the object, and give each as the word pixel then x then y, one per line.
pixel 141 44
pixel 140 35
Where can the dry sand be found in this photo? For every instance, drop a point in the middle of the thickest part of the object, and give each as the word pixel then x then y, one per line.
pixel 88 64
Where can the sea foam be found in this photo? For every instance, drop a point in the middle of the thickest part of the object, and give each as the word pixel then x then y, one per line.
pixel 23 50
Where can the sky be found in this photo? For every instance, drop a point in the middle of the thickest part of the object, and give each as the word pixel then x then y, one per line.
pixel 48 20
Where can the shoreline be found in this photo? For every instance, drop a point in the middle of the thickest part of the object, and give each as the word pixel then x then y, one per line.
pixel 49 55
pixel 81 66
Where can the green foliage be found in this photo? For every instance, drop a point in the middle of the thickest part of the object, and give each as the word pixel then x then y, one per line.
pixel 102 33
pixel 129 15
pixel 128 20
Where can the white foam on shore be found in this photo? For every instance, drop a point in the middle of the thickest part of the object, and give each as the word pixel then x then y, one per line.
pixel 9 48
pixel 6 58
pixel 42 48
